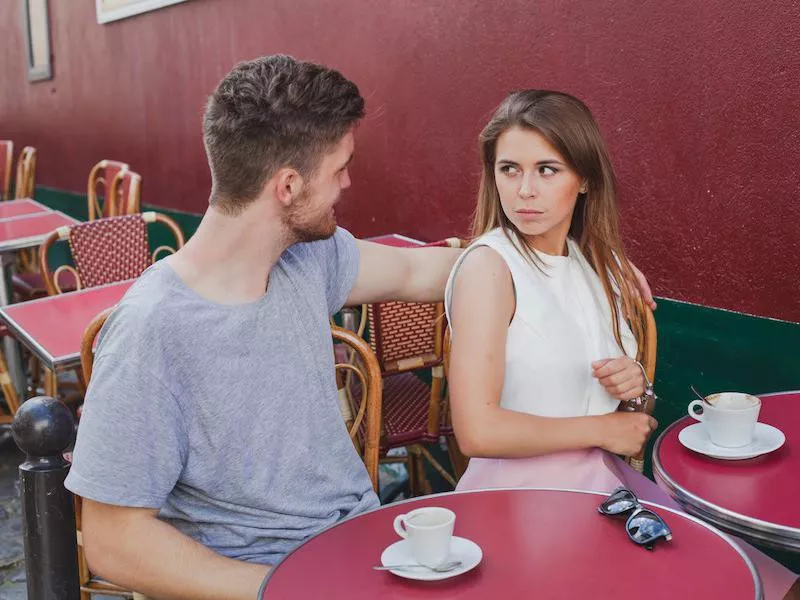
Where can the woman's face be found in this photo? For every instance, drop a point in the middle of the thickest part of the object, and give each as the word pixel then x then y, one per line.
pixel 538 190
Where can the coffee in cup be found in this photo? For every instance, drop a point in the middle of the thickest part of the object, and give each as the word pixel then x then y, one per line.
pixel 428 531
pixel 729 417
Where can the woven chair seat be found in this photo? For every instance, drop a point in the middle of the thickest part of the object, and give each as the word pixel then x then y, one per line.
pixel 405 411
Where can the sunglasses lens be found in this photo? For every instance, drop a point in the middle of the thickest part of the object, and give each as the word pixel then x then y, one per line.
pixel 621 501
pixel 646 527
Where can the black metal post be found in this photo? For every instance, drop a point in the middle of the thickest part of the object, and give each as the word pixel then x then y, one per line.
pixel 43 428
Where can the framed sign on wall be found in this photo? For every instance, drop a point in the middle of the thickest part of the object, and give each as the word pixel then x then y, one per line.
pixel 113 10
pixel 36 28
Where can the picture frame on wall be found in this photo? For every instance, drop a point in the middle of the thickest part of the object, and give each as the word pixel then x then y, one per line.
pixel 114 10
pixel 36 29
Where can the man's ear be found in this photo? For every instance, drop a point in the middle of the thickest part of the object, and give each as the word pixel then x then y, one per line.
pixel 288 185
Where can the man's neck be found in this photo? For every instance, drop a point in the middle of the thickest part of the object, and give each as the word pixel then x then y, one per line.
pixel 228 259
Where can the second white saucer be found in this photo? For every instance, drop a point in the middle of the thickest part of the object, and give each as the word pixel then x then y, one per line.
pixel 766 438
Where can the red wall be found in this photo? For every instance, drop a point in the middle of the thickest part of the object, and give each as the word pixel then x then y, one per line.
pixel 699 101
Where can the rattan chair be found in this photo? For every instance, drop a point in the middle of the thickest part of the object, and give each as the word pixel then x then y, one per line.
pixel 119 192
pixel 104 251
pixel 6 158
pixel 408 338
pixel 89 584
pixel 25 183
pixel 26 281
pixel 646 356
pixel 10 394
pixel 361 409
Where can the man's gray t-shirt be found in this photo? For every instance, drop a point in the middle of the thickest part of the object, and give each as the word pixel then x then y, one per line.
pixel 226 418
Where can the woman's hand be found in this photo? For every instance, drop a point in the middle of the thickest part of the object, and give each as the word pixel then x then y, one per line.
pixel 625 432
pixel 622 377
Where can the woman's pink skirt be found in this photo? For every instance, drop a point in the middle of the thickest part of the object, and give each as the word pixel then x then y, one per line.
pixel 598 471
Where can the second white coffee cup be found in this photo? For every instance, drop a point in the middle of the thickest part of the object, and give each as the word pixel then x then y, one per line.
pixel 428 531
pixel 729 417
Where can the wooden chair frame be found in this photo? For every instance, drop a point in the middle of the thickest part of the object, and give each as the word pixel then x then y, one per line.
pixel 5 175
pixel 364 414
pixel 647 356
pixel 88 584
pixel 98 175
pixel 9 393
pixel 25 186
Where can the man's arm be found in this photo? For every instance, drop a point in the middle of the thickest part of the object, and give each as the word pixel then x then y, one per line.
pixel 133 548
pixel 402 274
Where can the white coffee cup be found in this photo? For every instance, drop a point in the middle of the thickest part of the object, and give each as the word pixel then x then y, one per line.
pixel 428 531
pixel 729 418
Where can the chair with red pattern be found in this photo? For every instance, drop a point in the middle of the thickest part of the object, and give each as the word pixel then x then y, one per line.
pixel 408 338
pixel 122 196
pixel 104 251
pixel 6 157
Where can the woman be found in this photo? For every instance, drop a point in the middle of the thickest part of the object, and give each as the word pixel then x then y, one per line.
pixel 540 306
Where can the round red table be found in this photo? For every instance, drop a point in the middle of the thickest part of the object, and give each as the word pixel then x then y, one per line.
pixel 757 499
pixel 536 543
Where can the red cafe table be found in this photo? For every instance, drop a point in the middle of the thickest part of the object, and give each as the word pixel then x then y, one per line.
pixel 395 239
pixel 757 499
pixel 23 206
pixel 535 543
pixel 52 327
pixel 23 224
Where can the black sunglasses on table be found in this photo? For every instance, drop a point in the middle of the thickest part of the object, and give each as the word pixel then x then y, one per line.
pixel 644 527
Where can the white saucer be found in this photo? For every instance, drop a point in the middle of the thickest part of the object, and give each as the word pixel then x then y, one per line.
pixel 399 553
pixel 766 438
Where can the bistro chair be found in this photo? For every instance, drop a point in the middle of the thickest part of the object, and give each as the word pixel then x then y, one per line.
pixel 10 394
pixel 6 157
pixel 89 584
pixel 361 409
pixel 647 356
pixel 408 338
pixel 25 184
pixel 110 192
pixel 104 251
pixel 122 197
pixel 26 281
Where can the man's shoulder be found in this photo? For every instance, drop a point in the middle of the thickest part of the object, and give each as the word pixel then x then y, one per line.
pixel 141 314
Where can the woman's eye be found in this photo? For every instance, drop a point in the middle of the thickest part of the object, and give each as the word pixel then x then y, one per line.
pixel 508 169
pixel 547 171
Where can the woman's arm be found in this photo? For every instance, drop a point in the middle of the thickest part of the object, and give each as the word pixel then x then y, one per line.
pixel 482 308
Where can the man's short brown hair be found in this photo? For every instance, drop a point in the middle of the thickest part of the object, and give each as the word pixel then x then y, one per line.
pixel 272 112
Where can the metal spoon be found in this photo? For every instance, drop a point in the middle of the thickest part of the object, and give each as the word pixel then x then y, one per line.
pixel 443 568
pixel 698 394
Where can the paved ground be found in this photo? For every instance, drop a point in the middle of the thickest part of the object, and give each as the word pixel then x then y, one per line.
pixel 12 566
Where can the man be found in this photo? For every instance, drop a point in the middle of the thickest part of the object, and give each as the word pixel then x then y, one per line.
pixel 211 442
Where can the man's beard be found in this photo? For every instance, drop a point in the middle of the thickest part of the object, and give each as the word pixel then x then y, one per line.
pixel 304 230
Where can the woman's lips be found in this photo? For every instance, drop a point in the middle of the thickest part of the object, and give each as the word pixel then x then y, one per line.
pixel 530 214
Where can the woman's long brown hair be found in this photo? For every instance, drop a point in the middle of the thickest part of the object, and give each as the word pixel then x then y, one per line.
pixel 568 125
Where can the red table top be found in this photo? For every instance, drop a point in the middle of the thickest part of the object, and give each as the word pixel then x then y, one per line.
pixel 536 543
pixel 395 239
pixel 28 231
pixel 52 327
pixel 24 206
pixel 758 498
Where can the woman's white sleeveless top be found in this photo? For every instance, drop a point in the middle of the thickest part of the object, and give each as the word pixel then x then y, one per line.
pixel 562 324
